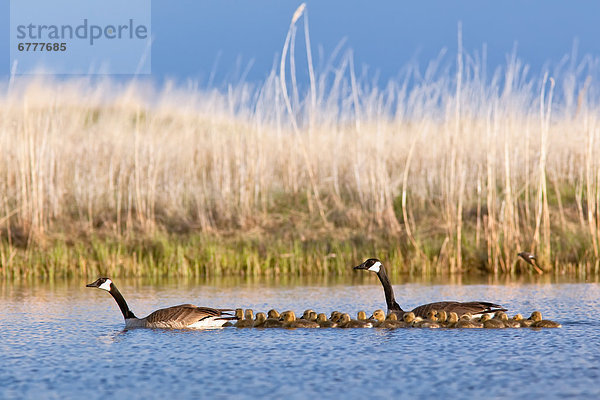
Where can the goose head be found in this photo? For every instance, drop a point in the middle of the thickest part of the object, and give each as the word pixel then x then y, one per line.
pixel 378 315
pixel 501 315
pixel 536 316
pixel 261 317
pixel 273 314
pixel 372 264
pixel 344 319
pixel 409 317
pixel 288 316
pixel 485 317
pixel 432 315
pixel 101 283
pixel 442 316
pixel 321 317
pixel 518 317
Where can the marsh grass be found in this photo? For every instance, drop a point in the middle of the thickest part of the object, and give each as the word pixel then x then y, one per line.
pixel 439 171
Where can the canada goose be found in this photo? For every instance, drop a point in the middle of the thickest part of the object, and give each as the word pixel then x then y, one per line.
pixel 347 322
pixel 272 320
pixel 452 320
pixel 491 323
pixel 177 317
pixel 290 321
pixel 473 307
pixel 432 315
pixel 466 321
pixel 260 320
pixel 324 322
pixel 535 316
pixel 508 323
pixel 546 323
pixel 442 317
pixel 393 318
pixel 306 314
pixel 248 321
pixel 409 318
pixel 538 322
pixel 525 323
pixel 381 322
pixel 335 316
pixel 430 322
pixel 531 260
pixel 312 316
pixel 361 316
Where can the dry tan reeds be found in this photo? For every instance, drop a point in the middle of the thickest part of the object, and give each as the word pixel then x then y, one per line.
pixel 458 170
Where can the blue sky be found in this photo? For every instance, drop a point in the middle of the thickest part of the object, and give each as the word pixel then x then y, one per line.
pixel 191 36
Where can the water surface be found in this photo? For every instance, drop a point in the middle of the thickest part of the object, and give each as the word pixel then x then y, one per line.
pixel 61 340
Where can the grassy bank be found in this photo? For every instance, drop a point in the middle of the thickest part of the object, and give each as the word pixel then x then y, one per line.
pixel 444 170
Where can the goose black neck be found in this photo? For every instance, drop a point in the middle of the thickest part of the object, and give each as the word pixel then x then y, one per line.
pixel 389 292
pixel 121 302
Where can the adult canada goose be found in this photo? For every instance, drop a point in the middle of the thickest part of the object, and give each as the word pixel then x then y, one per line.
pixel 176 317
pixel 531 260
pixel 473 307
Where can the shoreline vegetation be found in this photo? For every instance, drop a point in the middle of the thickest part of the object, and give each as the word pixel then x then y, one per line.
pixel 448 170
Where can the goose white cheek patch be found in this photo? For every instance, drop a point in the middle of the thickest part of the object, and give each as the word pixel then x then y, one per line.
pixel 375 267
pixel 105 285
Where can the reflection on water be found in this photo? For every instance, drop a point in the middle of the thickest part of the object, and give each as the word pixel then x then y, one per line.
pixel 62 340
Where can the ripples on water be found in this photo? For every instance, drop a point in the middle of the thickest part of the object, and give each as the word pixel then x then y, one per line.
pixel 64 341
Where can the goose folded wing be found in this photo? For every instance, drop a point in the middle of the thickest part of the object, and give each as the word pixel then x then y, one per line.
pixel 185 314
pixel 473 307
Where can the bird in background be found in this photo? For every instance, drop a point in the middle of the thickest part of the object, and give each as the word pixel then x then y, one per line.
pixel 531 260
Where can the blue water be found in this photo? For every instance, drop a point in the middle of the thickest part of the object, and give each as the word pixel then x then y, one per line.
pixel 63 341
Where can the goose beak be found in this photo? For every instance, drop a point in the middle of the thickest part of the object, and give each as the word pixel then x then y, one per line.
pixel 361 266
pixel 94 284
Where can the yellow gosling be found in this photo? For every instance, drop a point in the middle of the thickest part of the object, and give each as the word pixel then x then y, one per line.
pixel 491 323
pixel 260 320
pixel 347 322
pixel 290 321
pixel 248 321
pixel 452 320
pixel 324 322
